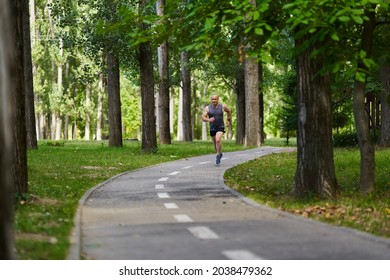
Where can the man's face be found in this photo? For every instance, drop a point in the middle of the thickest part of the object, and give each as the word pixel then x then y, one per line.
pixel 214 100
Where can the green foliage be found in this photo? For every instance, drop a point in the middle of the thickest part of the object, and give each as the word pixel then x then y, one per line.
pixel 345 139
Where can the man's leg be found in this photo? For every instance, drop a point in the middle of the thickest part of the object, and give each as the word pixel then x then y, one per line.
pixel 214 142
pixel 218 142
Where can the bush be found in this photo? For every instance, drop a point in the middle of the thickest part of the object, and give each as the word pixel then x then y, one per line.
pixel 345 139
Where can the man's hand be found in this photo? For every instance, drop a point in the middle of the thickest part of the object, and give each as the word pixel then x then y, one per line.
pixel 211 119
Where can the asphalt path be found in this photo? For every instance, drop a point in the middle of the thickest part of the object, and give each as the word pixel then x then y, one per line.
pixel 182 210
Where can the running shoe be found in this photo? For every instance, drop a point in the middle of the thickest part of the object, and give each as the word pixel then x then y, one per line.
pixel 218 159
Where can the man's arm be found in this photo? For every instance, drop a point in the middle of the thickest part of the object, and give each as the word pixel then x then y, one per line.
pixel 205 114
pixel 229 115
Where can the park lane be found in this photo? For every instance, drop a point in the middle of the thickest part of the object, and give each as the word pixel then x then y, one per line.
pixel 182 210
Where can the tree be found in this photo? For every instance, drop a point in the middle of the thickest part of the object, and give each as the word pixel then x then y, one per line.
pixel 381 52
pixel 367 151
pixel 163 96
pixel 252 113
pixel 28 80
pixel 113 87
pixel 384 71
pixel 186 90
pixel 145 60
pixel 7 68
pixel 19 156
pixel 315 171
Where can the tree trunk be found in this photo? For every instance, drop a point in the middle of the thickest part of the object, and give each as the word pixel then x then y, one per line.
pixel 240 105
pixel 261 104
pixel 87 129
pixel 180 134
pixel 7 69
pixel 367 151
pixel 163 98
pixel 145 60
pixel 186 79
pixel 19 157
pixel 252 117
pixel 59 87
pixel 172 110
pixel 28 80
pixel 99 109
pixel 384 72
pixel 315 172
pixel 114 102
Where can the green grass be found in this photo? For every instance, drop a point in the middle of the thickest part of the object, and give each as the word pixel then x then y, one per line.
pixel 59 175
pixel 61 172
pixel 269 180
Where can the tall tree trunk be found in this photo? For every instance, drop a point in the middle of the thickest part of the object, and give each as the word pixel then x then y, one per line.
pixel 7 69
pixel 145 59
pixel 163 97
pixel 367 151
pixel 186 79
pixel 99 109
pixel 172 110
pixel 87 111
pixel 53 105
pixel 180 133
pixel 59 87
pixel 28 80
pixel 261 104
pixel 384 72
pixel 252 125
pixel 240 104
pixel 114 102
pixel 252 116
pixel 315 167
pixel 19 158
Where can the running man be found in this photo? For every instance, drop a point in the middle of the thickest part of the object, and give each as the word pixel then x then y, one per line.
pixel 213 114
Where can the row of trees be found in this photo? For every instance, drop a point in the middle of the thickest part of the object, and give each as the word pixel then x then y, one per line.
pixel 81 47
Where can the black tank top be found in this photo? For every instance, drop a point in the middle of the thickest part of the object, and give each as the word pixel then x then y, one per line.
pixel 217 113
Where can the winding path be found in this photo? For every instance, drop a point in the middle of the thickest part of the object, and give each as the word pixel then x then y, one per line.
pixel 182 210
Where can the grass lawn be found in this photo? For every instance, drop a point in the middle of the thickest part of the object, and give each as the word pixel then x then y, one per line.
pixel 61 172
pixel 269 180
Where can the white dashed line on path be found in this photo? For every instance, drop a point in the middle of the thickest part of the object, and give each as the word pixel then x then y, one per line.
pixel 163 179
pixel 187 167
pixel 240 255
pixel 174 173
pixel 159 186
pixel 183 218
pixel 203 233
pixel 163 195
pixel 171 206
pixel 204 162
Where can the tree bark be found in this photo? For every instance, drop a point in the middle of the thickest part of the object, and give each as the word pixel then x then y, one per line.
pixel 19 157
pixel 7 69
pixel 114 102
pixel 261 104
pixel 252 117
pixel 315 172
pixel 163 100
pixel 87 129
pixel 145 59
pixel 384 72
pixel 240 105
pixel 186 79
pixel 28 80
pixel 99 109
pixel 367 151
